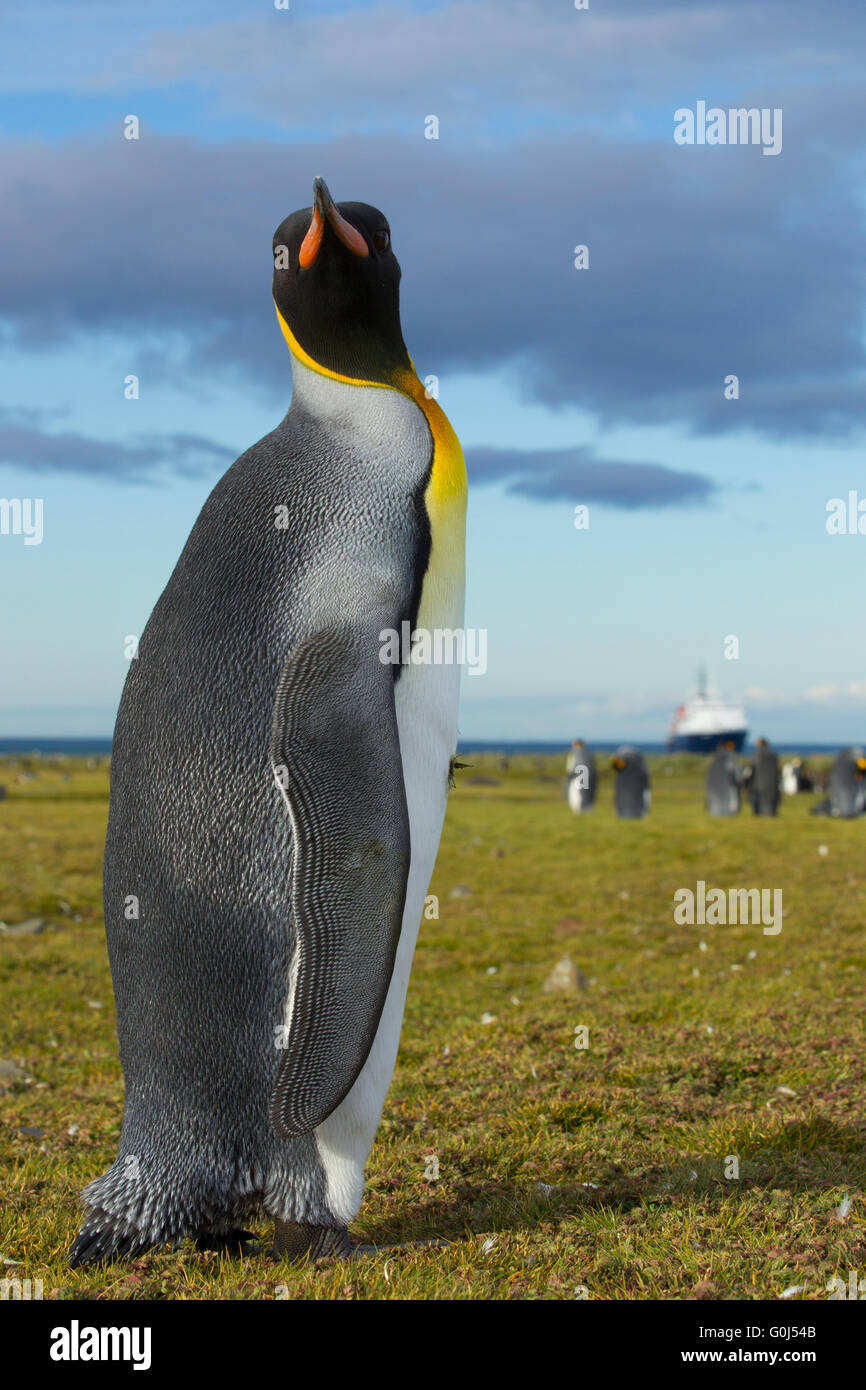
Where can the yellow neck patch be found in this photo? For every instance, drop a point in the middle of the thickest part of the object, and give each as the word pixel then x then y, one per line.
pixel 448 474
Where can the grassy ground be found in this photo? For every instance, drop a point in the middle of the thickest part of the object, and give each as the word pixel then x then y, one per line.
pixel 749 1046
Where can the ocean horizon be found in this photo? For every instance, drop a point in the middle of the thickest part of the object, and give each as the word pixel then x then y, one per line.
pixel 100 747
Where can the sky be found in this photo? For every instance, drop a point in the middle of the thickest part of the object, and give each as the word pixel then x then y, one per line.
pixel 606 386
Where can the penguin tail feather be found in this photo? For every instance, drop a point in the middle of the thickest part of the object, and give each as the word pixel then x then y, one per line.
pixel 101 1242
pixel 130 1213
pixel 123 1220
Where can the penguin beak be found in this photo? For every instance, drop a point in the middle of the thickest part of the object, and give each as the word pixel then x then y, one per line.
pixel 325 211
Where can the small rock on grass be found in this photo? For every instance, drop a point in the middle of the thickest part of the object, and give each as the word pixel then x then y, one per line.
pixel 31 927
pixel 11 1074
pixel 565 978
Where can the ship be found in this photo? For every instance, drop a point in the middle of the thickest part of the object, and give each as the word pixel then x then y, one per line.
pixel 705 721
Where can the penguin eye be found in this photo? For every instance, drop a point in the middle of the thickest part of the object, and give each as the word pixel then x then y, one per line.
pixel 381 239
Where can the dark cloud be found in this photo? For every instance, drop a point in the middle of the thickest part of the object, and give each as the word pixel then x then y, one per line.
pixel 578 476
pixel 704 262
pixel 25 446
pixel 385 65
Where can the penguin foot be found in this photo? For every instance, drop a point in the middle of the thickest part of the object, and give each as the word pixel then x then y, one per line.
pixel 295 1240
pixel 235 1240
pixel 101 1247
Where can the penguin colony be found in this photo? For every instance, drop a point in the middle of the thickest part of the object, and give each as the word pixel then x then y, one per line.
pixel 725 781
pixel 261 980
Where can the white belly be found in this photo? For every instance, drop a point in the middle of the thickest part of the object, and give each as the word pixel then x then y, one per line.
pixel 426 699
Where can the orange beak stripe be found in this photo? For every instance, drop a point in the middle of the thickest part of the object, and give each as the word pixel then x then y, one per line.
pixel 348 235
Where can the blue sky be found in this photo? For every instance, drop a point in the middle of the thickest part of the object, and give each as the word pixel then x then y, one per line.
pixel 602 386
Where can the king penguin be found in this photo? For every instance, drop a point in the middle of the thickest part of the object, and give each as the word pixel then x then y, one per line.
pixel 581 783
pixel 631 793
pixel 846 785
pixel 763 782
pixel 261 907
pixel 723 783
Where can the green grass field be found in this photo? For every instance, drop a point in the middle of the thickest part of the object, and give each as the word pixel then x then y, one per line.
pixel 749 1046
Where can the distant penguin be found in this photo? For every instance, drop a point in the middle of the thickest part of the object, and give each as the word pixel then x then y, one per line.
pixel 723 783
pixel 763 782
pixel 581 785
pixel 631 794
pixel 790 781
pixel 805 779
pixel 846 786
pixel 278 783
pixel 796 777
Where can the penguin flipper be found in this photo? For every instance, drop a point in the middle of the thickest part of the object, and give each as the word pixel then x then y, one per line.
pixel 335 749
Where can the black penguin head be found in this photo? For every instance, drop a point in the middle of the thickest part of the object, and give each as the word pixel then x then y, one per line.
pixel 337 287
